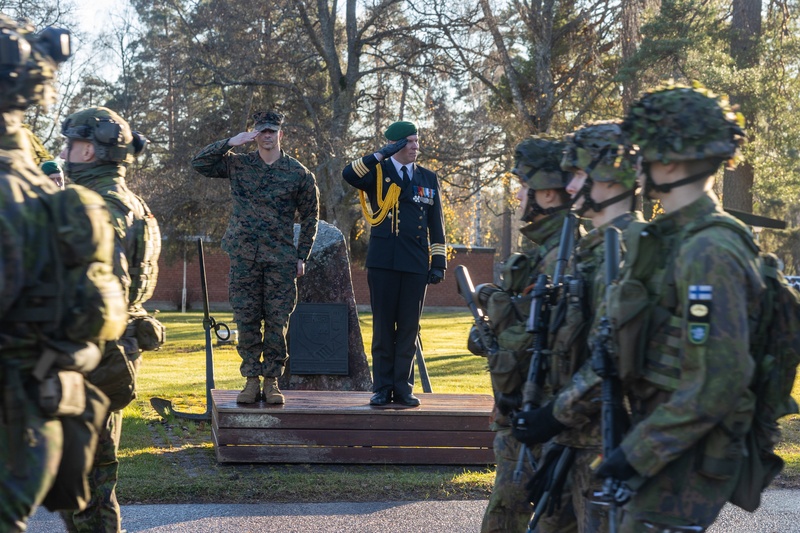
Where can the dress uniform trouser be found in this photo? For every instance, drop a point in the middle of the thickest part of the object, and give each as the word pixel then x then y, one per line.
pixel 396 299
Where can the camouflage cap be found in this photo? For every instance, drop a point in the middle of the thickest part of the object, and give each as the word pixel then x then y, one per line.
pixel 536 162
pixel 28 63
pixel 599 149
pixel 106 130
pixel 679 123
pixel 268 120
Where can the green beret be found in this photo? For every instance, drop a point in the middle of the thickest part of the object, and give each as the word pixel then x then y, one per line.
pixel 400 130
pixel 50 167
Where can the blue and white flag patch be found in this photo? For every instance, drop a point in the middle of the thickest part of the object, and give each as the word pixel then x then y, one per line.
pixel 700 292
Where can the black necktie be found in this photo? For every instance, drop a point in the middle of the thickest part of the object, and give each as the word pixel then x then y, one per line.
pixel 405 174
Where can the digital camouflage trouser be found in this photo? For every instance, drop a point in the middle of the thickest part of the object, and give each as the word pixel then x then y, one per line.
pixel 102 514
pixel 679 495
pixel 262 294
pixel 509 509
pixel 27 476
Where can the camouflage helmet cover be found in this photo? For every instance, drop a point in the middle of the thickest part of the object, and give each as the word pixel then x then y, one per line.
pixel 536 162
pixel 106 130
pixel 28 63
pixel 599 149
pixel 675 122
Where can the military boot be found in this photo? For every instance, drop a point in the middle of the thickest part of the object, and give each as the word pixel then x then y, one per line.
pixel 272 393
pixel 251 391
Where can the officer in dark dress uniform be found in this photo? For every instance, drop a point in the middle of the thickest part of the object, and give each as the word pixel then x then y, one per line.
pixel 403 204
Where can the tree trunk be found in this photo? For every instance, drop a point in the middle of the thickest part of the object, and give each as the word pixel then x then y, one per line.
pixel 737 185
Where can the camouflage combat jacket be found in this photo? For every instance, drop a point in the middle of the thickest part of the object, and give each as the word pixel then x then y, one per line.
pixel 696 368
pixel 265 200
pixel 577 403
pixel 546 235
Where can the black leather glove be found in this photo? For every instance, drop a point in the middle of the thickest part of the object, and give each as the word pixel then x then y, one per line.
pixel 392 148
pixel 507 403
pixel 475 342
pixel 435 275
pixel 615 466
pixel 537 426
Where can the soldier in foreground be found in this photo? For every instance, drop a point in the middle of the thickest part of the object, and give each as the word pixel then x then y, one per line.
pixel 544 202
pixel 268 188
pixel 603 186
pixel 100 147
pixel 55 252
pixel 688 382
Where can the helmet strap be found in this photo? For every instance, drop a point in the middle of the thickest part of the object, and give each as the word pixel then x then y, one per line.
pixel 532 208
pixel 651 186
pixel 590 203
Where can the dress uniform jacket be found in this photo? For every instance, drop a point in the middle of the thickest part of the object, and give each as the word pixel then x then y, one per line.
pixel 401 241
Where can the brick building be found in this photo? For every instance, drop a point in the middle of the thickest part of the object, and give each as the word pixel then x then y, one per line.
pixel 168 295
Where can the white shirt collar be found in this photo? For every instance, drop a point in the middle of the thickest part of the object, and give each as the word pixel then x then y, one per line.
pixel 398 166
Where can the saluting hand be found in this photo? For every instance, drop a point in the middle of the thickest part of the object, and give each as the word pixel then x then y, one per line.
pixel 243 138
pixel 392 148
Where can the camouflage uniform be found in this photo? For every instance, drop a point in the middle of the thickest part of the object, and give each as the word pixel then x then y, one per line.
pixel 688 389
pixel 599 150
pixel 260 243
pixel 107 178
pixel 31 443
pixel 509 507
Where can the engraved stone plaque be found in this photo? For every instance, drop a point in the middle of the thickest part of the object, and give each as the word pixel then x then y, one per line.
pixel 318 339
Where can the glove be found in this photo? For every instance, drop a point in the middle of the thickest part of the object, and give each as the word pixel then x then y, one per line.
pixel 537 426
pixel 392 148
pixel 545 479
pixel 435 275
pixel 615 466
pixel 507 403
pixel 475 342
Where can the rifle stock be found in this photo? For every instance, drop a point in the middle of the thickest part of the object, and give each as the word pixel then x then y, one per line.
pixel 466 289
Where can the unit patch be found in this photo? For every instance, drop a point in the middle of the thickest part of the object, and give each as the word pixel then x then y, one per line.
pixel 699 313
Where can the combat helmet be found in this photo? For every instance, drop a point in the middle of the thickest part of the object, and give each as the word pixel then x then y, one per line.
pixel 536 162
pixel 28 63
pixel 113 140
pixel 601 151
pixel 675 122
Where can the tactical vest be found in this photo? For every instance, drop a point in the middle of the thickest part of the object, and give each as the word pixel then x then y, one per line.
pixel 142 246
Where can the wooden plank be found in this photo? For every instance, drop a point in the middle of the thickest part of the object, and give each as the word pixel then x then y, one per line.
pixel 355 402
pixel 339 421
pixel 462 439
pixel 354 455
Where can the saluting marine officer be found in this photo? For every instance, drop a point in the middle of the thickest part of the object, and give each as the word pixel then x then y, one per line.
pixel 402 202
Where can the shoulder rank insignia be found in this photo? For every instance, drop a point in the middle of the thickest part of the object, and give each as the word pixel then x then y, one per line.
pixel 699 313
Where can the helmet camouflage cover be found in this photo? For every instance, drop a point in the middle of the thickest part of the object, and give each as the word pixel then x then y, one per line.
pixel 106 130
pixel 28 63
pixel 536 162
pixel 679 123
pixel 599 149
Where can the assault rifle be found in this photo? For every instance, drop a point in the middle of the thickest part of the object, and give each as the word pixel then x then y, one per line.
pixel 164 407
pixel 614 492
pixel 466 289
pixel 545 295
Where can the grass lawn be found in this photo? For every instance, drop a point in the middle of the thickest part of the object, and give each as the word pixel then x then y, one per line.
pixel 173 461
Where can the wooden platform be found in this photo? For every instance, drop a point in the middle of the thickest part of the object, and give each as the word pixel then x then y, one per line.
pixel 341 427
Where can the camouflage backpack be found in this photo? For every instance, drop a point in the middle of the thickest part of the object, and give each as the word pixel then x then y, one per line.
pixel 774 346
pixel 82 300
